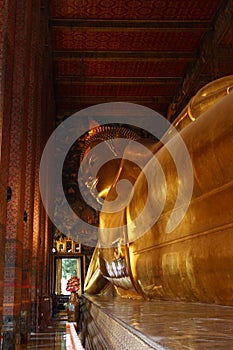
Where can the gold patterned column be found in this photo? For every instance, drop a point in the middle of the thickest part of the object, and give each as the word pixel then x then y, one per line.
pixel 58 275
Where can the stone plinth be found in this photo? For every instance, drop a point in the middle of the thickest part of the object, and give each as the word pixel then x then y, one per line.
pixel 124 324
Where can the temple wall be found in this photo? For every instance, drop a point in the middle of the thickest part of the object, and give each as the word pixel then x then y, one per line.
pixel 26 108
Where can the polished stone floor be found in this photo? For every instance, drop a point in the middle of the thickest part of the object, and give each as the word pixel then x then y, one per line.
pixel 53 341
pixel 162 325
pixel 53 338
pixel 172 325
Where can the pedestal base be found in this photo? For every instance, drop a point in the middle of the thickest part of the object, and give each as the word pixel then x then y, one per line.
pixel 116 323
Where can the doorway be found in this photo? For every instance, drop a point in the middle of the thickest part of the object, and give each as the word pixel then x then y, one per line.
pixel 65 267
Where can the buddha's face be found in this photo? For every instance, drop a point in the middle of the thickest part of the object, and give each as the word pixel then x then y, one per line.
pixel 101 160
pixel 98 170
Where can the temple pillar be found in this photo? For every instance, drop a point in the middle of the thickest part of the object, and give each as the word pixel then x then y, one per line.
pixel 7 18
pixel 26 105
pixel 30 103
pixel 15 207
pixel 44 114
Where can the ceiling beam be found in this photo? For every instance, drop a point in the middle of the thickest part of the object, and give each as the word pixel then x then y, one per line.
pixel 101 99
pixel 128 25
pixel 123 55
pixel 116 80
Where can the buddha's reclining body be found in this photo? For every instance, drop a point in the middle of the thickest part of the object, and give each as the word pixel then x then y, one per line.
pixel 193 261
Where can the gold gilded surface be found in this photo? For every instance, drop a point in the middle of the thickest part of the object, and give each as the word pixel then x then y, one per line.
pixel 194 262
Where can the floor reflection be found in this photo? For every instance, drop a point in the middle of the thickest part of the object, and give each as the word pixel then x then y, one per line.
pixel 52 341
pixel 52 338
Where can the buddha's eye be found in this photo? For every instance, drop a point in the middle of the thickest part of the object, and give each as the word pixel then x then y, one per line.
pixel 91 161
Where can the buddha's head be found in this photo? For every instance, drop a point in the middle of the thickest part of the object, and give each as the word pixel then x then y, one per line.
pixel 101 157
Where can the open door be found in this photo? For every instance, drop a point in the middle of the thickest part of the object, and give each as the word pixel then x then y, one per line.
pixel 64 268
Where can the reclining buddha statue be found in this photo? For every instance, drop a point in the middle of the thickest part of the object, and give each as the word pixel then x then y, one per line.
pixel 186 252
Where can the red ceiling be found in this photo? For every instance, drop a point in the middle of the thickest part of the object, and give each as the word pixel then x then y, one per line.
pixel 113 68
pixel 135 9
pixel 138 51
pixel 97 40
